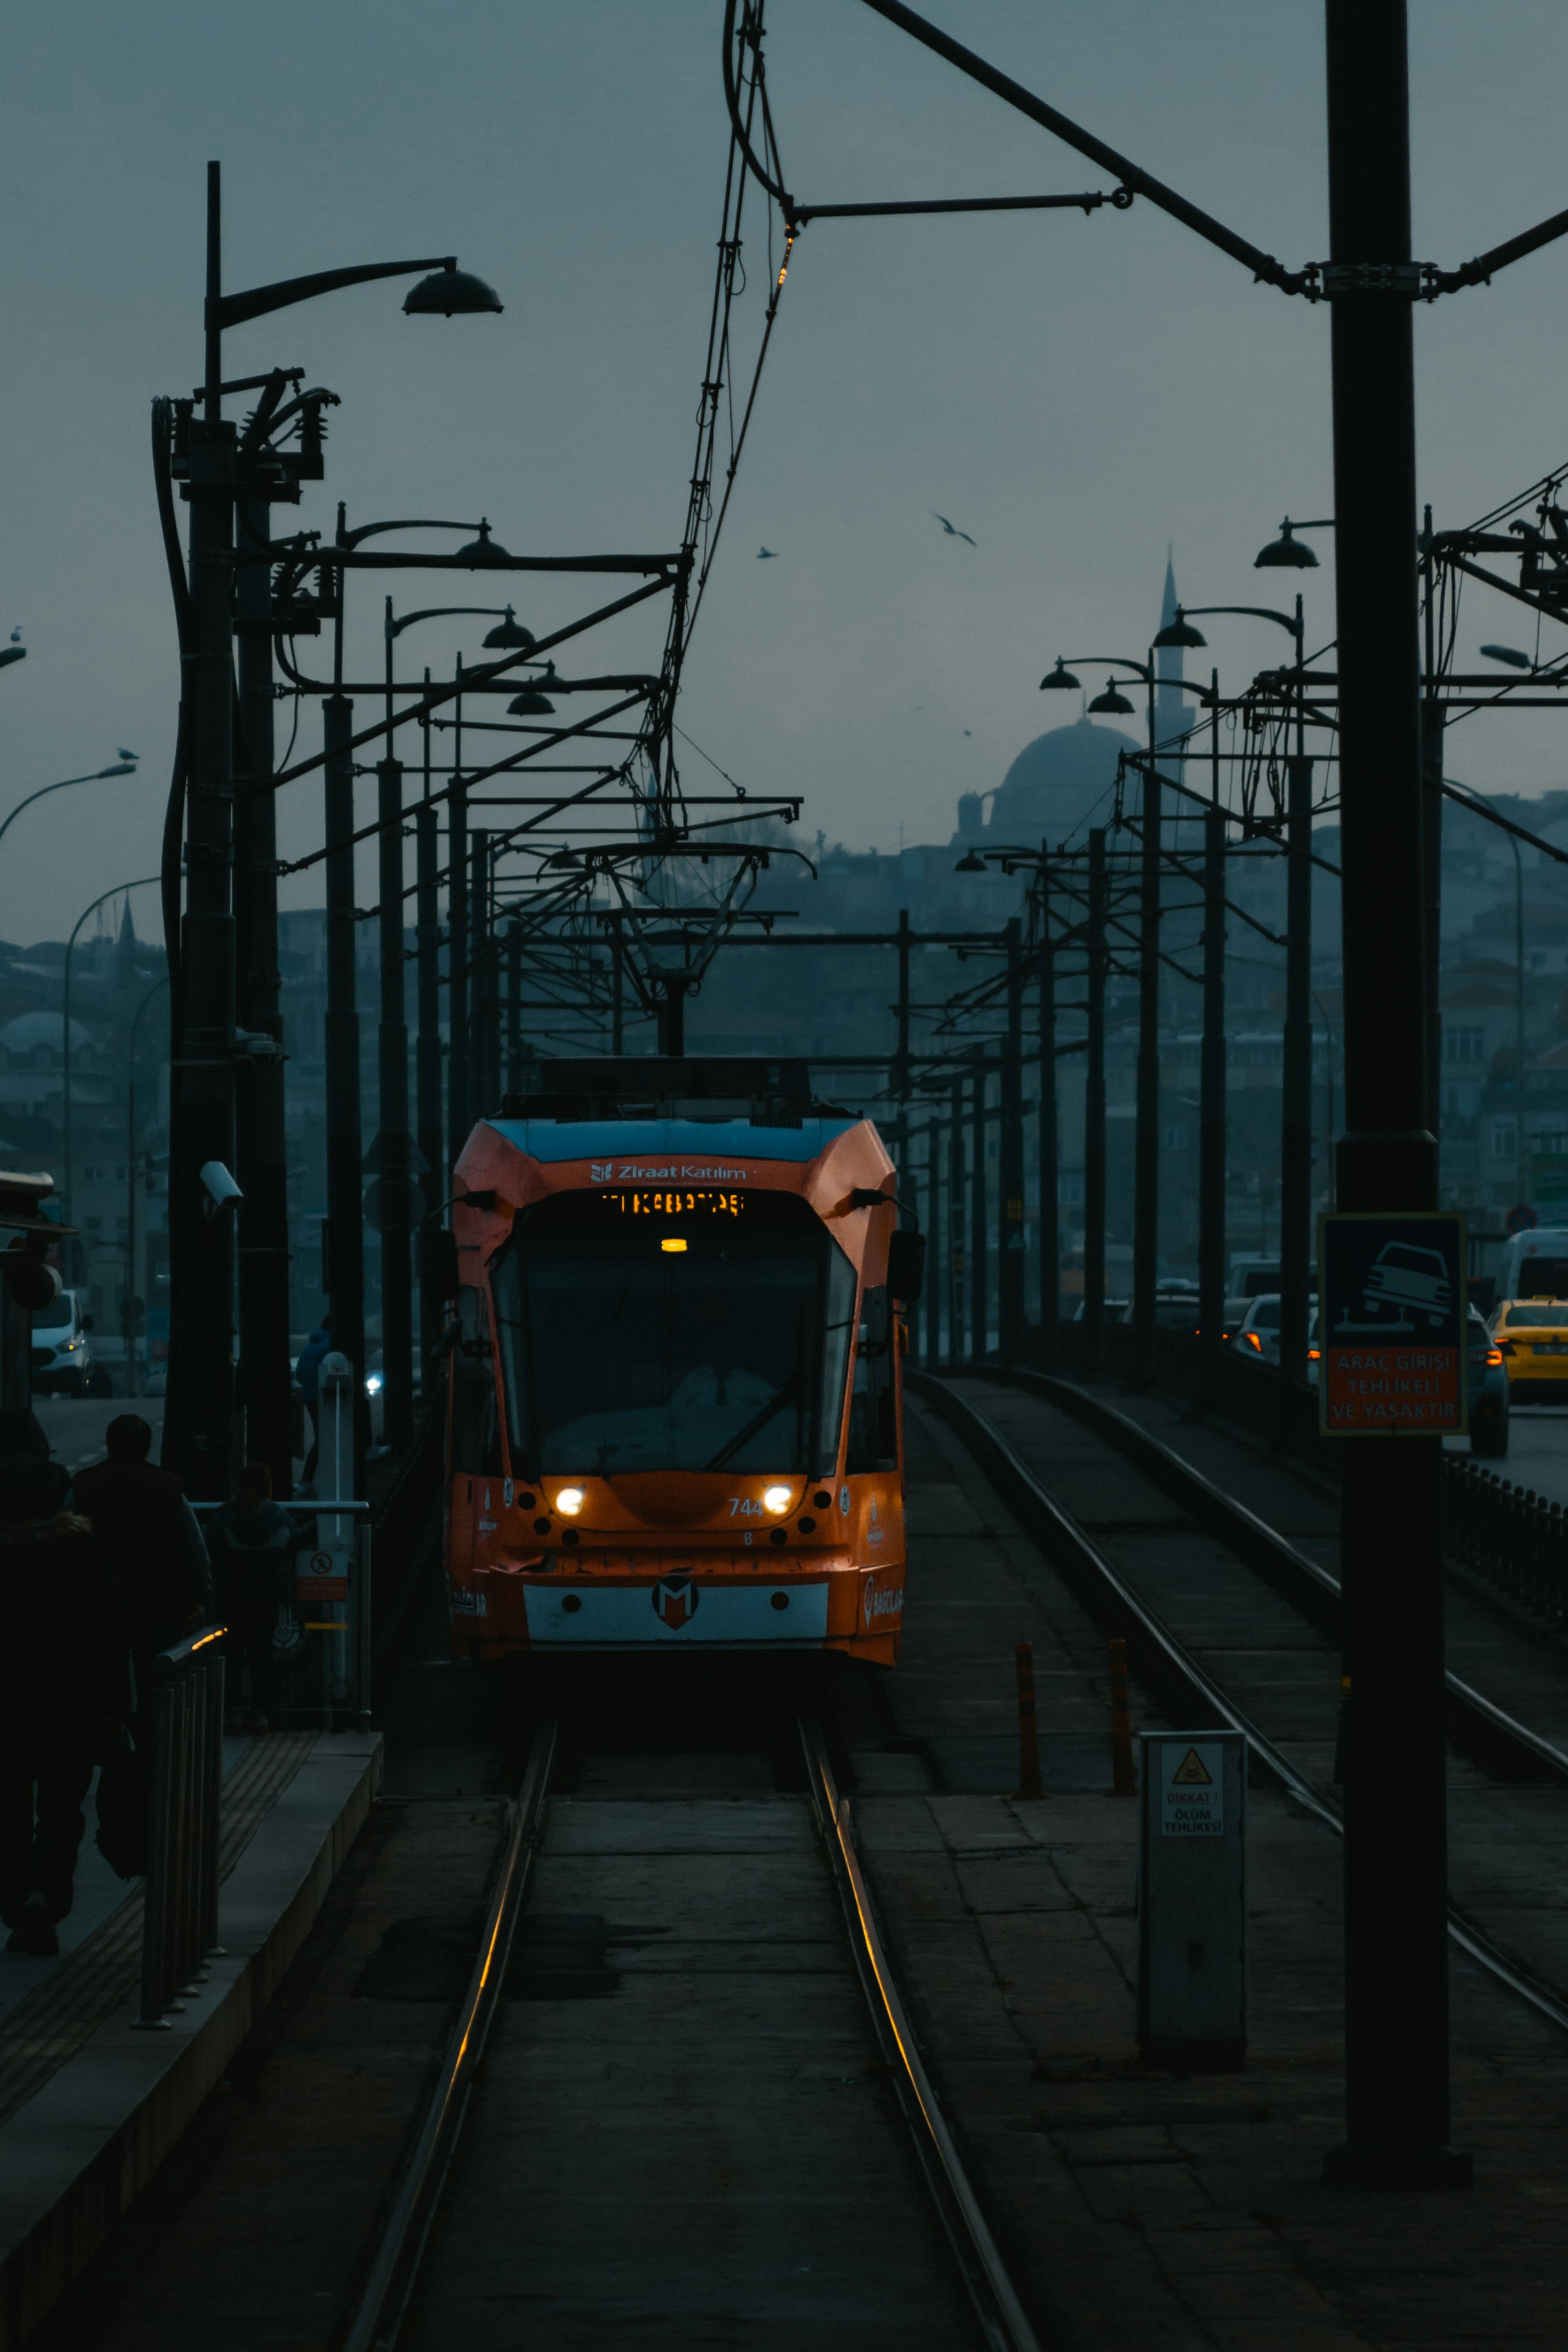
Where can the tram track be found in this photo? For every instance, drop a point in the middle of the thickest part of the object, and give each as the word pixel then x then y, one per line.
pixel 1165 1663
pixel 957 2209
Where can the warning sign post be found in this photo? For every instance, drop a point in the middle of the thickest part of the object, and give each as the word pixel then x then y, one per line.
pixel 1391 1326
pixel 1191 1904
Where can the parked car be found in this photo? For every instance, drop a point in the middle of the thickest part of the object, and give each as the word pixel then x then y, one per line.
pixel 62 1354
pixel 1489 1390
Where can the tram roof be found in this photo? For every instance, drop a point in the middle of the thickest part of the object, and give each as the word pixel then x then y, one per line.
pixel 551 1141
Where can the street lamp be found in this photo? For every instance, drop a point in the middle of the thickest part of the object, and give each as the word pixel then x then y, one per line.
pixel 1287 552
pixel 120 768
pixel 198 1417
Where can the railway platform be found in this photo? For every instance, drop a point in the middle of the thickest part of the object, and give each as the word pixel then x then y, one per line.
pixel 90 2103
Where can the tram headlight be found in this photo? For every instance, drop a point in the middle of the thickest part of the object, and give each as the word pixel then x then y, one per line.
pixel 776 1499
pixel 569 1500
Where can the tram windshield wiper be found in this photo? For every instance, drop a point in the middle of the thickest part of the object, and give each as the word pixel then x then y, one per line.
pixel 760 1420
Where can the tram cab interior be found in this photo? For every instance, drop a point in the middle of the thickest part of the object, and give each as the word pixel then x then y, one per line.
pixel 675 1401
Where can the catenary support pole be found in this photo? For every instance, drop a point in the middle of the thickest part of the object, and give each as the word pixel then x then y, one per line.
pixel 1147 1123
pixel 394 1191
pixel 932 1293
pixel 481 988
pixel 1049 1153
pixel 1296 1238
pixel 1094 1114
pixel 955 1249
pixel 428 1052
pixel 459 1116
pixel 345 1216
pixel 198 1426
pixel 979 1240
pixel 1397 1959
pixel 1212 1091
pixel 1011 1247
pixel 260 1131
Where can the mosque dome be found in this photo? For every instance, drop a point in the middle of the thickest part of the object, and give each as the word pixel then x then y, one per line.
pixel 1056 782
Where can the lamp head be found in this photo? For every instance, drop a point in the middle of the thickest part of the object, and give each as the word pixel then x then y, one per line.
pixel 1181 633
pixel 1285 553
pixel 451 293
pixel 1061 677
pixel 508 633
pixel 484 549
pixel 529 704
pixel 973 864
pixel 1112 702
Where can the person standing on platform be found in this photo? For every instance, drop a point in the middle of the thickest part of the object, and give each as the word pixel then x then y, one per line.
pixel 65 1693
pixel 252 1541
pixel 150 1537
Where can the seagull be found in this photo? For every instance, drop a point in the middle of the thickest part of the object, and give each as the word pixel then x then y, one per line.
pixel 952 528
pixel 15 636
pixel 124 754
pixel 765 553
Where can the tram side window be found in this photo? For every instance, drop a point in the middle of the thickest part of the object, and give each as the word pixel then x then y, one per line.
pixel 873 1422
pixel 476 1424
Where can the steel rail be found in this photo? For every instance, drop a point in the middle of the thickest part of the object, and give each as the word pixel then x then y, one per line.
pixel 1002 2316
pixel 1165 1658
pixel 1299 1579
pixel 384 2300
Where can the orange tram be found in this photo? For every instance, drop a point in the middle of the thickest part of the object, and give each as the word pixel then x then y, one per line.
pixel 675 1399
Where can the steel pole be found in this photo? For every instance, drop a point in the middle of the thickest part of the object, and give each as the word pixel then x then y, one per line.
pixel 198 1427
pixel 458 1118
pixel 1146 1127
pixel 1396 1960
pixel 979 1251
pixel 1010 1251
pixel 955 1251
pixel 345 1215
pixel 482 1006
pixel 1050 1186
pixel 1296 1279
pixel 260 1126
pixel 1094 1115
pixel 427 1057
pixel 392 1086
pixel 1212 1097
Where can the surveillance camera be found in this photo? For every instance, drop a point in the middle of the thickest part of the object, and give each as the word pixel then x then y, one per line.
pixel 221 1188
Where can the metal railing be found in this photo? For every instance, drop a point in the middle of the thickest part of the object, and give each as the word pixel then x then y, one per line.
pixel 1516 1539
pixel 179 1924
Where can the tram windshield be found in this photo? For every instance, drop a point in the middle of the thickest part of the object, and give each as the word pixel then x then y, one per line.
pixel 649 1334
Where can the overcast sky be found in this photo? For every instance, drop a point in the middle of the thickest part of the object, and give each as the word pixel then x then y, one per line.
pixel 1073 393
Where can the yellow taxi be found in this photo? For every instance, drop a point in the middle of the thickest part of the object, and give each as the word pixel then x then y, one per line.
pixel 1532 1334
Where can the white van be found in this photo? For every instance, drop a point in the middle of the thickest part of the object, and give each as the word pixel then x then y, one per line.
pixel 61 1358
pixel 1535 1265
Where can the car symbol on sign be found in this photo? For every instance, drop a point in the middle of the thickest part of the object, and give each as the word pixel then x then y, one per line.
pixel 1404 1276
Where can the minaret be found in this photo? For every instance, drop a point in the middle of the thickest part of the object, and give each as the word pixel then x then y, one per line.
pixel 1173 711
pixel 125 959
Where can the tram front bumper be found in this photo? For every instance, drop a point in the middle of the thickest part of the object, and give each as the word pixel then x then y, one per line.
pixel 679 1608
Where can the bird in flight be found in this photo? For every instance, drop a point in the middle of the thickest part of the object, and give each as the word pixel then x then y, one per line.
pixel 765 553
pixel 124 754
pixel 952 528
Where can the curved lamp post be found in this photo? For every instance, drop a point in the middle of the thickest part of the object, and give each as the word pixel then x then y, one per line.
pixel 144 882
pixel 1295 1063
pixel 1146 1121
pixel 120 768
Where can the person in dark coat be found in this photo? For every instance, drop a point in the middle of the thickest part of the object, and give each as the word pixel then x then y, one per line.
pixel 252 1541
pixel 65 1691
pixel 153 1546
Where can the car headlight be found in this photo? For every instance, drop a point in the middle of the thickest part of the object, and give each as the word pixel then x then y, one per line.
pixel 776 1499
pixel 569 1500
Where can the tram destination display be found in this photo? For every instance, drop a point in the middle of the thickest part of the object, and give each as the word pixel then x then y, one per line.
pixel 702 1201
pixel 1391 1326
